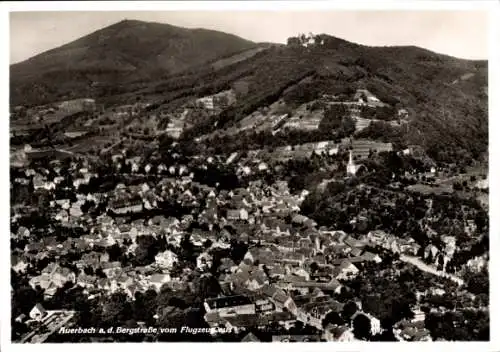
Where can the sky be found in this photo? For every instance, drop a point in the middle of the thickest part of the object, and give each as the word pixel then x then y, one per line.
pixel 457 33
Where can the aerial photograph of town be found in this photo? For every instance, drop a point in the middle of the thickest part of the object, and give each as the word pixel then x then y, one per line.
pixel 181 177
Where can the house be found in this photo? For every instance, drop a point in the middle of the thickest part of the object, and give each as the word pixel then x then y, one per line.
pixel 156 281
pixel 88 259
pixel 369 256
pixel 23 232
pixel 127 206
pixel 302 220
pixel 356 252
pixel 166 260
pixel 402 113
pixel 354 243
pixel 338 334
pixel 21 318
pixel 229 305
pixel 260 256
pixel 418 316
pixel 18 264
pixel 256 280
pixel 111 268
pixel 299 219
pixel 345 270
pixel 377 237
pixel 204 261
pixel 226 265
pixel 293 258
pixel 86 281
pixel 58 275
pixel 243 322
pixel 279 298
pixel 38 182
pixel 276 272
pixel 38 312
pixel 476 264
pixel 250 337
pixel 412 331
pixel 263 305
pixel 124 281
pixel 296 338
pixel 241 214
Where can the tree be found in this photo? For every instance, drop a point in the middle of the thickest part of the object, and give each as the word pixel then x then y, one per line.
pixel 100 273
pixel 362 327
pixel 207 286
pixel 115 252
pixel 207 244
pixel 116 309
pixel 187 247
pixel 479 283
pixel 238 250
pixel 314 267
pixel 23 299
pixel 481 220
pixel 333 318
pixel 348 126
pixel 145 305
pixel 293 41
pixel 349 309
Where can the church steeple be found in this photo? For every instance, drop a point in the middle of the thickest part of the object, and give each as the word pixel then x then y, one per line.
pixel 351 167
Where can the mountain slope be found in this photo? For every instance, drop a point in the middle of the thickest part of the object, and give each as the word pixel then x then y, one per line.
pixel 449 120
pixel 126 51
pixel 447 96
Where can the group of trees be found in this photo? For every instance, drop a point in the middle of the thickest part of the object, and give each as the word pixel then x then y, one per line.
pixel 463 325
pixel 165 309
pixel 221 176
pixel 383 131
pixel 337 122
pixel 388 293
pixel 384 113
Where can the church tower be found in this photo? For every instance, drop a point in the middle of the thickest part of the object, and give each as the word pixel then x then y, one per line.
pixel 351 167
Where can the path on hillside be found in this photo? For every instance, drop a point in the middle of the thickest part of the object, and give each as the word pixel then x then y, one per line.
pixel 424 267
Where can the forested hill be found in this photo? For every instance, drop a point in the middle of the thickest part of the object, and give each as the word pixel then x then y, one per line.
pixel 447 96
pixel 167 65
pixel 127 51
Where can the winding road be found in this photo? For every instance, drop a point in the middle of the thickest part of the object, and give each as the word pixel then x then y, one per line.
pixel 424 267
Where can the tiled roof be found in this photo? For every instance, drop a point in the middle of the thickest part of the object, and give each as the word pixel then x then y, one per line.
pixel 250 337
pixel 229 301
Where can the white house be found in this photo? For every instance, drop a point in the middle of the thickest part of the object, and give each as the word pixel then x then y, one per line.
pixel 345 271
pixel 230 305
pixel 166 260
pixel 38 312
pixel 338 334
pixel 157 280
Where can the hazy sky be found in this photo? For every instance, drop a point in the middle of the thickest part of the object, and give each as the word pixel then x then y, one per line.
pixel 458 33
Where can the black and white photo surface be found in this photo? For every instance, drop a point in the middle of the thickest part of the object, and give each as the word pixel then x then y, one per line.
pixel 249 176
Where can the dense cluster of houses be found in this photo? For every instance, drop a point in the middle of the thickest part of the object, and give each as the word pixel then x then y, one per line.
pixel 284 286
pixel 284 247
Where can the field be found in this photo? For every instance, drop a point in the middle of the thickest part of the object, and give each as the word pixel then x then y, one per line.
pixel 236 58
pixel 426 189
pixel 95 142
